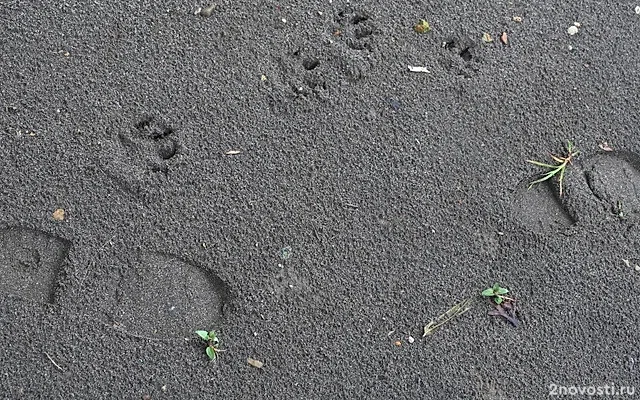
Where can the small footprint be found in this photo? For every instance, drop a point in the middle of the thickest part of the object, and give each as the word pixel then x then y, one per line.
pixel 30 262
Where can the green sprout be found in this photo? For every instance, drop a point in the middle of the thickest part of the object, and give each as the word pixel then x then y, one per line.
pixel 559 168
pixel 497 293
pixel 213 343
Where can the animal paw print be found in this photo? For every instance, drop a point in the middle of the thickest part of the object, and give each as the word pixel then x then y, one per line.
pixel 141 158
pixel 460 56
pixel 355 28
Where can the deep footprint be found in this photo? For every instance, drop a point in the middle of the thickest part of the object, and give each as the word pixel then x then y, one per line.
pixel 539 208
pixel 30 262
pixel 165 297
pixel 614 178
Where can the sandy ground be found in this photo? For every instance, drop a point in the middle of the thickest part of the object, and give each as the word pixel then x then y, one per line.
pixel 275 172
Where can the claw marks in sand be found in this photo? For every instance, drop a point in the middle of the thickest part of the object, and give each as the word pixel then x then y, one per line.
pixel 164 297
pixel 30 262
pixel 141 156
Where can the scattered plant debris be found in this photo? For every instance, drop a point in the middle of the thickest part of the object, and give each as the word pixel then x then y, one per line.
pixel 558 168
pixel 213 343
pixel 447 316
pixel 422 27
pixel 255 363
pixel 504 307
pixel 506 310
pixel 487 38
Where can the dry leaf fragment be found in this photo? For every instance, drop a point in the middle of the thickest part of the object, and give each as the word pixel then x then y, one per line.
pixel 487 38
pixel 207 11
pixel 605 146
pixel 232 152
pixel 255 363
pixel 504 38
pixel 418 69
pixel 422 26
pixel 58 214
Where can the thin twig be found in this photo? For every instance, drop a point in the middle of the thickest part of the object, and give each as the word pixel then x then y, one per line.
pixel 54 363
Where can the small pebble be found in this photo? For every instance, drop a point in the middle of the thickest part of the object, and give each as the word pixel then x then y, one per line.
pixel 58 214
pixel 207 11
pixel 411 339
pixel 637 268
pixel 572 30
pixel 504 38
pixel 637 9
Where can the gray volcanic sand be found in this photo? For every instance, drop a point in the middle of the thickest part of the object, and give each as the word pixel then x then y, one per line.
pixel 359 200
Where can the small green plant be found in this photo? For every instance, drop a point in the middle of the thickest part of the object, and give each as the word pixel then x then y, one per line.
pixel 497 293
pixel 213 343
pixel 559 168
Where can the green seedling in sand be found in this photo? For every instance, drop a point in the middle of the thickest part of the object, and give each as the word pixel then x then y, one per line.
pixel 213 343
pixel 497 293
pixel 559 168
